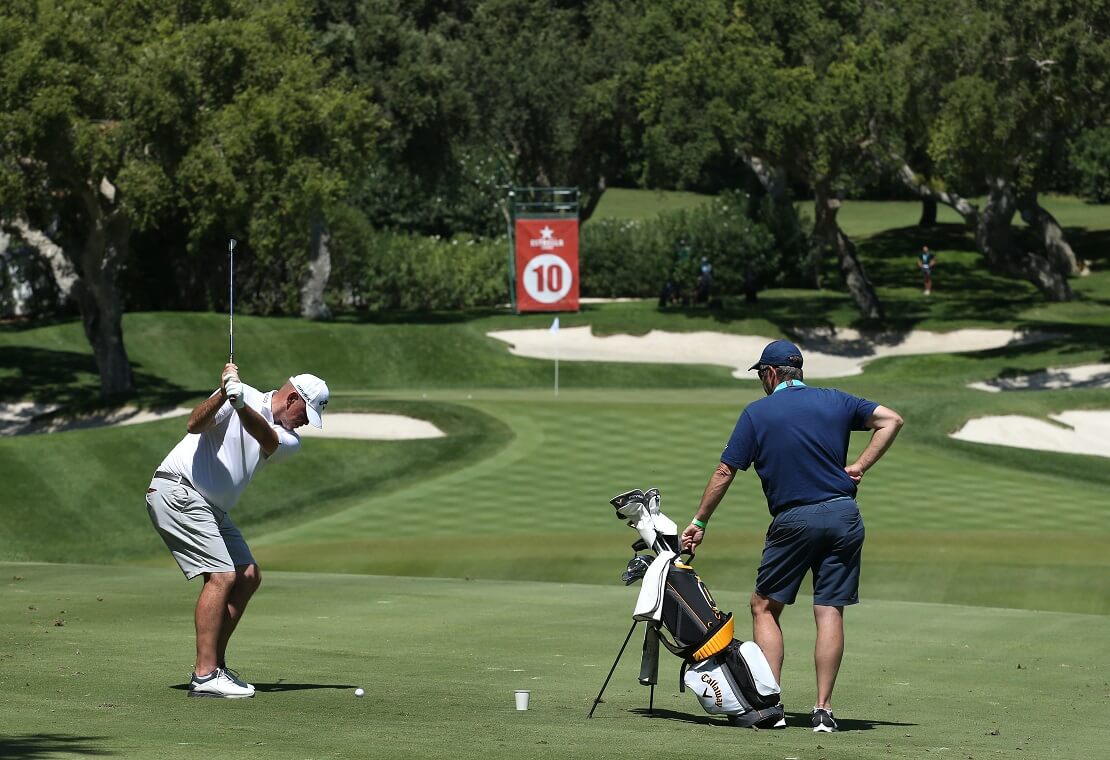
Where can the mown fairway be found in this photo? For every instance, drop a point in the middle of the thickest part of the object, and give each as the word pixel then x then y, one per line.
pixel 440 575
pixel 439 660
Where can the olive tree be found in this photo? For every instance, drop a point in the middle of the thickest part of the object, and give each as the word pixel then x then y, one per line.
pixel 119 117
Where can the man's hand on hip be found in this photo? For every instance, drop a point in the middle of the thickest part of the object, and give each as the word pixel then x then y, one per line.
pixel 855 472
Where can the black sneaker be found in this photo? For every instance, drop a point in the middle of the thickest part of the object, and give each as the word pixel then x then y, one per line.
pixel 781 722
pixel 822 721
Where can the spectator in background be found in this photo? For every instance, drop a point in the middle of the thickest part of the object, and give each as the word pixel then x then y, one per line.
pixel 926 260
pixel 705 280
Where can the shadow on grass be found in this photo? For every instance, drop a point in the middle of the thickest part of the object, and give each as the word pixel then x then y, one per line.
pixel 705 720
pixel 419 317
pixel 1076 339
pixel 270 688
pixel 33 746
pixel 70 380
pixel 967 289
pixel 1092 245
pixel 793 720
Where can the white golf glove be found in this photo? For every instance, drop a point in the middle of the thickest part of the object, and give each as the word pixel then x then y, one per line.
pixel 233 389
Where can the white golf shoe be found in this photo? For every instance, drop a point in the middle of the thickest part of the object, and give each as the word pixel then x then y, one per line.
pixel 219 683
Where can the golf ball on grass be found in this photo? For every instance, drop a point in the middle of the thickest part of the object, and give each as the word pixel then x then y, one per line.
pixel 359 692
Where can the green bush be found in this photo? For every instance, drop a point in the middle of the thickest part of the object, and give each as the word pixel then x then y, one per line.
pixel 380 269
pixel 1090 159
pixel 636 257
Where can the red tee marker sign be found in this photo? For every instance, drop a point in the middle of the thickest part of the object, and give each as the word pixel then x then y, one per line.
pixel 547 264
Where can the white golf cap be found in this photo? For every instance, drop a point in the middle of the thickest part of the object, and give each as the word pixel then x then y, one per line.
pixel 315 393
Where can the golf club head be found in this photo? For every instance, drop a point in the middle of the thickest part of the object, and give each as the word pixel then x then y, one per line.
pixel 628 504
pixel 637 567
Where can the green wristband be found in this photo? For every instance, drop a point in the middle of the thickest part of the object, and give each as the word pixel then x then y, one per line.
pixel 699 523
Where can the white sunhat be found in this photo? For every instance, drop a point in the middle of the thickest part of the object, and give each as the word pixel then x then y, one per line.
pixel 315 393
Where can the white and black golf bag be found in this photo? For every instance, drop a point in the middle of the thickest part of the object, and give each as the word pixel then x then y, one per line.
pixel 728 677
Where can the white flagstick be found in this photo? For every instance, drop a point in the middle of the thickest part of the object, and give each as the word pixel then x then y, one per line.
pixel 555 331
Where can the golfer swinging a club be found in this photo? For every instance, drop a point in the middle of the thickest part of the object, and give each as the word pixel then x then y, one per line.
pixel 797 438
pixel 232 435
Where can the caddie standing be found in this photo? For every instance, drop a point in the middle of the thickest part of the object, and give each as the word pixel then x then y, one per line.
pixel 797 438
pixel 232 435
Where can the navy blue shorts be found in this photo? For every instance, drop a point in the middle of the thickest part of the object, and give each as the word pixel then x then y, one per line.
pixel 826 538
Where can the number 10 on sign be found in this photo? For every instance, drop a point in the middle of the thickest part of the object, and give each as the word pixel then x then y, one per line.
pixel 547 278
pixel 546 253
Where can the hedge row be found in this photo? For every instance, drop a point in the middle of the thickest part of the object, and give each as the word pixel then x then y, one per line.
pixel 636 258
pixel 379 269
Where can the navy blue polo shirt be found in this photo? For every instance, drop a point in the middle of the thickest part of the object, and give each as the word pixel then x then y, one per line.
pixel 798 440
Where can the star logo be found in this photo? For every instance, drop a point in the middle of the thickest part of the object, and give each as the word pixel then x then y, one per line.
pixel 547 240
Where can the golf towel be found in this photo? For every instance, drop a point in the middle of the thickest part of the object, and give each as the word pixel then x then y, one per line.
pixel 649 605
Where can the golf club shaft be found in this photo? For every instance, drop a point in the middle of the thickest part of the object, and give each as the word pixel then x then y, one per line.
pixel 231 301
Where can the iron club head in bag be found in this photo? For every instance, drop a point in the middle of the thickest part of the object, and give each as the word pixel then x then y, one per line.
pixel 637 567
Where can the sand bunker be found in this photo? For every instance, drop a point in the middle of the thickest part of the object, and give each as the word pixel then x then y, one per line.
pixel 376 427
pixel 1077 432
pixel 1053 378
pixel 24 418
pixel 828 353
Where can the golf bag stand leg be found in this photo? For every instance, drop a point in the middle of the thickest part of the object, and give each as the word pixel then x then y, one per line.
pixel 649 664
pixel 597 700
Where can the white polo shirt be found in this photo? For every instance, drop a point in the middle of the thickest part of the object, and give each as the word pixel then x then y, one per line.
pixel 221 461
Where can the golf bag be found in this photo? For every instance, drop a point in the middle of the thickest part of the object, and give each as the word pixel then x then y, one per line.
pixel 729 677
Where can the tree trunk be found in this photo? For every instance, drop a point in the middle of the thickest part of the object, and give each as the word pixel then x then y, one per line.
pixel 928 213
pixel 784 222
pixel 827 231
pixel 313 305
pixel 1051 235
pixel 586 210
pixel 64 276
pixel 751 283
pixel 98 297
pixel 994 236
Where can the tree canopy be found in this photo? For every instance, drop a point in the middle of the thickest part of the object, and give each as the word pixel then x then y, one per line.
pixel 219 117
pixel 137 136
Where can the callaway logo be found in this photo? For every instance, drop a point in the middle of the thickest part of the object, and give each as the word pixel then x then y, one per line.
pixel 718 699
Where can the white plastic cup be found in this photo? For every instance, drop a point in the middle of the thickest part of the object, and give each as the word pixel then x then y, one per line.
pixel 522 699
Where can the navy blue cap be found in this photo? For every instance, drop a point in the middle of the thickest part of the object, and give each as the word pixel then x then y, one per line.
pixel 779 353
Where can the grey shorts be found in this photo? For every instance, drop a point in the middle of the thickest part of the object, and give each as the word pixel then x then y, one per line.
pixel 201 537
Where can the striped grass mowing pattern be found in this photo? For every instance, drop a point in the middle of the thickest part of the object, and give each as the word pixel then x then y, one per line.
pixel 942 526
pixel 439 660
pixel 568 458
